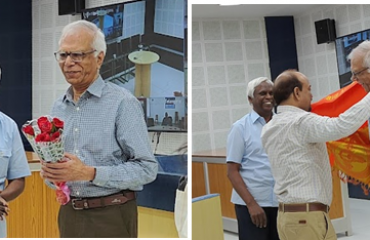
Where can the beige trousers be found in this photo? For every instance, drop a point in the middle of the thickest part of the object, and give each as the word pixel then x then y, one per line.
pixel 314 225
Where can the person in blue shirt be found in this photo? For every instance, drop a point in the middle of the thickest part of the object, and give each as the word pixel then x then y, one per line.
pixel 248 167
pixel 13 167
pixel 105 139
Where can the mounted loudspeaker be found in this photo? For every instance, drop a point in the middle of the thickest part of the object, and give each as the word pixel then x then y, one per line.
pixel 325 31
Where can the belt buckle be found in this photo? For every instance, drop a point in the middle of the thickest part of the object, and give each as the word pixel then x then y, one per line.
pixel 73 204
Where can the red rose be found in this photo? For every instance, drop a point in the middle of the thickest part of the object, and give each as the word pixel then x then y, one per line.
pixel 44 124
pixel 29 130
pixel 42 137
pixel 41 120
pixel 58 123
pixel 54 136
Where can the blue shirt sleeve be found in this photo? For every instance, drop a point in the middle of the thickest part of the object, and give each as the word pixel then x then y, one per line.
pixel 235 144
pixel 18 164
pixel 142 167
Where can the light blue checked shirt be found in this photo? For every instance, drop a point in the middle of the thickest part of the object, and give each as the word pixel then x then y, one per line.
pixel 106 129
pixel 244 147
pixel 13 161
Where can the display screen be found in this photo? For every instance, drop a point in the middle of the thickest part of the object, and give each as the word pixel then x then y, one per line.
pixel 344 46
pixel 146 55
pixel 108 18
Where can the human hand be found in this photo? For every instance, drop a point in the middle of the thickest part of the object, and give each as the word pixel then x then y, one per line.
pixel 72 169
pixel 258 215
pixel 4 208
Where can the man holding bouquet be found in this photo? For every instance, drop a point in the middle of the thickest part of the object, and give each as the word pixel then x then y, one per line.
pixel 107 151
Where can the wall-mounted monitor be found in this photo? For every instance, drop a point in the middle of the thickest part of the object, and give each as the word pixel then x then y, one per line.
pixel 66 7
pixel 108 18
pixel 146 55
pixel 344 46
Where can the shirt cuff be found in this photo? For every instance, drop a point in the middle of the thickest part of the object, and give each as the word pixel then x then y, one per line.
pixel 50 184
pixel 101 176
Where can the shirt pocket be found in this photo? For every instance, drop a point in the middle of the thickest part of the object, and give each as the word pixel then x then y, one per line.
pixel 4 163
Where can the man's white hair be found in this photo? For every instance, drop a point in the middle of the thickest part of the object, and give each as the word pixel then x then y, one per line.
pixel 98 43
pixel 255 83
pixel 364 49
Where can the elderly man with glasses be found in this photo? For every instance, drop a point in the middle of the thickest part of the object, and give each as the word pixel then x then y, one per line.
pixel 13 166
pixel 106 142
pixel 360 64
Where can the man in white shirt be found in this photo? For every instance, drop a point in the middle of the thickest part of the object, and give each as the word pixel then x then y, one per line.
pixel 294 141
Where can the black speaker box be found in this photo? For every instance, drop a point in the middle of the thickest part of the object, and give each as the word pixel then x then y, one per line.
pixel 66 7
pixel 325 31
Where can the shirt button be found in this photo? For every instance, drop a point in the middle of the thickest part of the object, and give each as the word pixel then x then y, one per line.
pixel 76 129
pixel 78 108
pixel 77 151
pixel 77 193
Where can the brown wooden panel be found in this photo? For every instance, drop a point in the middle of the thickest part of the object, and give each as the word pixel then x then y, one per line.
pixel 198 183
pixel 25 220
pixel 50 213
pixel 219 183
pixel 336 207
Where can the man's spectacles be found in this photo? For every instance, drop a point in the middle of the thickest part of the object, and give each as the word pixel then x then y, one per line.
pixel 75 56
pixel 356 74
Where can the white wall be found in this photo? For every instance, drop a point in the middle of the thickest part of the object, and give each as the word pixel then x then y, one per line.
pixel 48 82
pixel 227 53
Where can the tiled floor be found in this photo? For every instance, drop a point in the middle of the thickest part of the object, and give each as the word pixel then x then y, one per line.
pixel 360 216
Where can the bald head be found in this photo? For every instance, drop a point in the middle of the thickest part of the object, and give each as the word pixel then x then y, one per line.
pixel 285 84
pixel 293 88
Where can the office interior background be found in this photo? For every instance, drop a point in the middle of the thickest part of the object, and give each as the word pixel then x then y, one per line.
pixel 229 48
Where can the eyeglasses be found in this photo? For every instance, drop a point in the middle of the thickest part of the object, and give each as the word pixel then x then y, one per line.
pixel 75 56
pixel 356 74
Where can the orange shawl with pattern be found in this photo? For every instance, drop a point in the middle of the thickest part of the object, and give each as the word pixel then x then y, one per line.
pixel 350 155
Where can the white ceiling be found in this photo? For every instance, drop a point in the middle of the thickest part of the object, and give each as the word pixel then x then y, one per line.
pixel 249 10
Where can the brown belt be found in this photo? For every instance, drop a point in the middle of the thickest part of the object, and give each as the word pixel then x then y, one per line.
pixel 96 202
pixel 303 207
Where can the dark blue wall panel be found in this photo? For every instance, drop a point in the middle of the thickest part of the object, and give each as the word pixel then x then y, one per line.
pixel 16 60
pixel 281 44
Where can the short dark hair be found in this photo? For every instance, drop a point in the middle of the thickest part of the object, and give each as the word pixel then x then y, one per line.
pixel 285 84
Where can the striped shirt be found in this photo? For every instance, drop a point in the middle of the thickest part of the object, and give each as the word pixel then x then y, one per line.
pixel 295 141
pixel 106 129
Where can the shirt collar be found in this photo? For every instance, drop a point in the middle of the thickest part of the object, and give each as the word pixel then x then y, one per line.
pixel 94 89
pixel 254 116
pixel 289 108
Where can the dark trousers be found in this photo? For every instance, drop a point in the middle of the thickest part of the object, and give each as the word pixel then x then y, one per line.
pixel 248 231
pixel 118 221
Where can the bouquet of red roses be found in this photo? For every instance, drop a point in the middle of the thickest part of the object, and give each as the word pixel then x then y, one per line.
pixel 45 136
